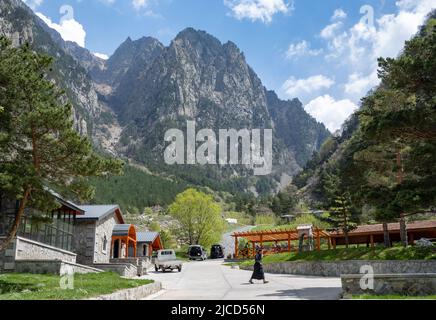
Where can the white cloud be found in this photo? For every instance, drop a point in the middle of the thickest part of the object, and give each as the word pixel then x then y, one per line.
pixel 362 44
pixel 352 53
pixel 33 4
pixel 69 29
pixel 262 10
pixel 358 83
pixel 300 87
pixel 108 2
pixel 301 49
pixel 330 112
pixel 139 4
pixel 330 31
pixel 101 55
pixel 339 14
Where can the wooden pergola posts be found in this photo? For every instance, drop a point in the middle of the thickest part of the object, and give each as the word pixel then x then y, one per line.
pixel 126 234
pixel 274 236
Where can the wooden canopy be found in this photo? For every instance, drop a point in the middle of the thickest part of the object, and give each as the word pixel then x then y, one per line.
pixel 276 236
pixel 123 234
pixel 372 234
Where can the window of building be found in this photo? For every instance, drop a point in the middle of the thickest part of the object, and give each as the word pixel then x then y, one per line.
pixel 105 244
pixel 55 229
pixel 144 250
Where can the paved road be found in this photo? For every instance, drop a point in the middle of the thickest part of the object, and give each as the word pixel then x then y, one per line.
pixel 211 280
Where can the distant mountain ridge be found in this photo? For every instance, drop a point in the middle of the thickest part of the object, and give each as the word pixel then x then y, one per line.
pixel 127 102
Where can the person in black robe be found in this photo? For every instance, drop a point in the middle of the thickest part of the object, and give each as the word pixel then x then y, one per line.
pixel 258 273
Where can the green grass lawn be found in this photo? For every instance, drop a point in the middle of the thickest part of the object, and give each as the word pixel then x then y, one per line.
pixel 379 253
pixel 47 287
pixel 391 297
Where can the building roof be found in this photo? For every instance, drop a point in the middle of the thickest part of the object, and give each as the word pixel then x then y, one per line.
pixel 64 202
pixel 121 230
pixel 393 227
pixel 100 212
pixel 275 235
pixel 147 237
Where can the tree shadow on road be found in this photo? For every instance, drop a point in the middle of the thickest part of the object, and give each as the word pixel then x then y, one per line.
pixel 314 293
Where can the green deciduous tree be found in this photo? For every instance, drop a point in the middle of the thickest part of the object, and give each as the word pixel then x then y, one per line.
pixel 199 217
pixel 38 145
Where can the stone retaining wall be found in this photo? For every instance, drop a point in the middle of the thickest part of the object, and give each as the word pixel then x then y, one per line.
pixel 7 258
pixel 391 284
pixel 337 268
pixel 134 293
pixel 31 250
pixel 25 249
pixel 56 267
pixel 123 269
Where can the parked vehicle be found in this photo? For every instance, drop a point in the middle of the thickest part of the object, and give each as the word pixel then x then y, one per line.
pixel 197 253
pixel 167 260
pixel 217 252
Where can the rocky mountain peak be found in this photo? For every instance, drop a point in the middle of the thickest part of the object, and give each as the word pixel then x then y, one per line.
pixel 132 56
pixel 128 102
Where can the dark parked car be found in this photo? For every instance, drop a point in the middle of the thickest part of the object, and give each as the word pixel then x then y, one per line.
pixel 197 253
pixel 217 252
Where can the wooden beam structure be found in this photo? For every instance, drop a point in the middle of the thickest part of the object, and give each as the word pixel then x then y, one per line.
pixel 274 236
pixel 374 234
pixel 126 236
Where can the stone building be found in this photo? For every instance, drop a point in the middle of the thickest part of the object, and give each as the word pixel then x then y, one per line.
pixel 78 238
pixel 42 238
pixel 147 243
pixel 93 233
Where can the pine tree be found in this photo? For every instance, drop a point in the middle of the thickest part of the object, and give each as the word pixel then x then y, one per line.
pixel 38 145
pixel 341 216
pixel 395 149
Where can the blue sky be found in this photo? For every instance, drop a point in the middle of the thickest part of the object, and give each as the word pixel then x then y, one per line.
pixel 321 51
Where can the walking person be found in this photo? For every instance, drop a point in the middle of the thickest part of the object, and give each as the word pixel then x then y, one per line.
pixel 258 273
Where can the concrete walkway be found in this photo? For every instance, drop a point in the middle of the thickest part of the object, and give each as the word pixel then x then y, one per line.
pixel 211 280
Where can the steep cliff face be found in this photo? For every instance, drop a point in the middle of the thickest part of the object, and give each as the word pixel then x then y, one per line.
pixel 128 102
pixel 18 23
pixel 198 78
pixel 74 69
pixel 130 60
pixel 300 132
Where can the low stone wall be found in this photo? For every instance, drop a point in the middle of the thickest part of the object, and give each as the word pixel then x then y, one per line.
pixel 51 267
pixel 134 293
pixel 32 250
pixel 338 268
pixel 391 284
pixel 25 249
pixel 142 264
pixel 123 269
pixel 7 258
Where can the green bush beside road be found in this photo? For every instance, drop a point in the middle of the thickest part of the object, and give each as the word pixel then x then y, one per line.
pixel 378 253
